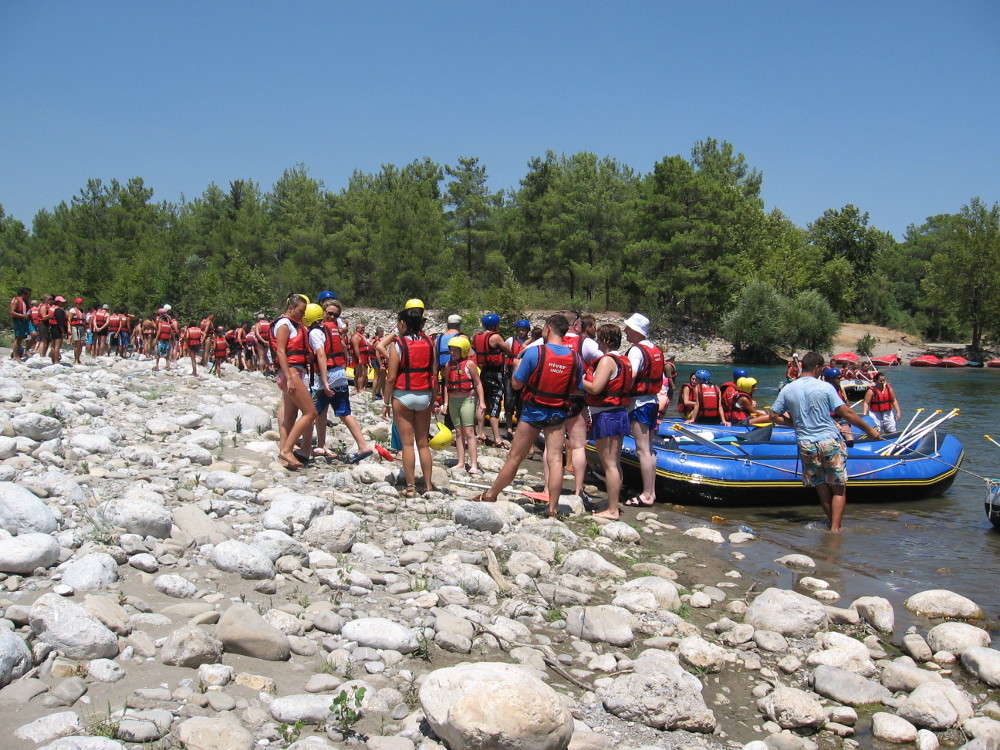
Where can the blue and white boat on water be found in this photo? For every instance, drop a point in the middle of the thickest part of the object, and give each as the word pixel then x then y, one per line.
pixel 729 466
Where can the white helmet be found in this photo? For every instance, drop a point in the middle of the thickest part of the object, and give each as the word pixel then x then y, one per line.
pixel 167 308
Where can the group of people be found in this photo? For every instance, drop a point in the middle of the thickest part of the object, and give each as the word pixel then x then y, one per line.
pixel 569 380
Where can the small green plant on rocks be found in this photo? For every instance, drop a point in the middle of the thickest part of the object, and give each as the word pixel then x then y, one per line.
pixel 103 725
pixel 423 650
pixel 554 614
pixel 346 708
pixel 290 733
pixel 239 423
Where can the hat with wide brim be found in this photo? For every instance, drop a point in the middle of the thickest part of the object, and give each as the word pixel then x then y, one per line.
pixel 638 323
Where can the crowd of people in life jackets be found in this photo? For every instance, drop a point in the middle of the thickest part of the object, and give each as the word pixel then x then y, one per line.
pixel 568 379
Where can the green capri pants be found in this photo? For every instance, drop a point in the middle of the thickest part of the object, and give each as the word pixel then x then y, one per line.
pixel 462 410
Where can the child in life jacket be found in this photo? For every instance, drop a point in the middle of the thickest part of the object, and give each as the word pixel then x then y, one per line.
pixel 193 336
pixel 464 399
pixel 220 352
pixel 707 401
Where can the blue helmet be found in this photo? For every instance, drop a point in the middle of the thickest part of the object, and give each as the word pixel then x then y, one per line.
pixel 703 375
pixel 490 320
pixel 740 372
pixel 326 295
pixel 831 372
pixel 523 323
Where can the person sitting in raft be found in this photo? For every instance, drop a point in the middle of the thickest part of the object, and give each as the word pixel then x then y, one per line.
pixel 707 401
pixel 880 401
pixel 794 368
pixel 685 397
pixel 741 406
pixel 834 376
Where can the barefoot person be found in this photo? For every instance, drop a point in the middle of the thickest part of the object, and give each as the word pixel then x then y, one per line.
pixel 21 318
pixel 608 390
pixel 291 345
pixel 409 394
pixel 647 365
pixel 807 404
pixel 881 402
pixel 547 375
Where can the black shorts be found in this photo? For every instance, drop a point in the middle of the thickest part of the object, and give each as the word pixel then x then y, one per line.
pixel 576 405
pixel 492 391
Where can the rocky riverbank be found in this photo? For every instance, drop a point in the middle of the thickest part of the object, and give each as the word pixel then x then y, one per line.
pixel 164 581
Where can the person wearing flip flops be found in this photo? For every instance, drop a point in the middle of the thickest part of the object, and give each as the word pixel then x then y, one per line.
pixel 547 375
pixel 463 399
pixel 647 366
pixel 491 354
pixel 291 345
pixel 330 386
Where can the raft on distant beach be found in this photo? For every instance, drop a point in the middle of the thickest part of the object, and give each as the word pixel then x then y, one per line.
pixel 745 466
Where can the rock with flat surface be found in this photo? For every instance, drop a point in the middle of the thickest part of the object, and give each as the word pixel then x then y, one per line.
pixel 92 572
pixel 660 694
pixel 589 564
pixel 70 628
pixel 204 530
pixel 137 515
pixel 903 675
pixel 175 586
pixel 50 727
pixel 665 592
pixel 891 728
pixel 877 612
pixel 205 733
pixel 37 427
pixel 336 532
pixel 190 646
pixel 243 631
pixel 699 654
pixel 601 624
pixel 379 632
pixel 943 603
pixel 241 417
pixel 86 742
pixel 496 706
pixel 935 705
pixel 479 517
pixel 786 612
pixel 847 687
pixel 792 708
pixel 249 562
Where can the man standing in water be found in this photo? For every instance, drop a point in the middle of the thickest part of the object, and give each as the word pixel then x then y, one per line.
pixel 807 404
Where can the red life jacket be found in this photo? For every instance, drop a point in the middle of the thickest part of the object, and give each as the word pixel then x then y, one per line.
pixel 416 363
pixel 101 317
pixel 263 330
pixel 231 336
pixel 487 357
pixel 18 304
pixel 684 391
pixel 51 317
pixel 881 401
pixel 709 401
pixel 194 336
pixel 334 346
pixel 164 330
pixel 36 316
pixel 649 378
pixel 516 346
pixel 297 347
pixel 553 379
pixel 221 347
pixel 618 389
pixel 734 411
pixel 77 317
pixel 792 371
pixel 458 379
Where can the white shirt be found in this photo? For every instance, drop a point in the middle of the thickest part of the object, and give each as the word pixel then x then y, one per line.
pixel 637 357
pixel 336 377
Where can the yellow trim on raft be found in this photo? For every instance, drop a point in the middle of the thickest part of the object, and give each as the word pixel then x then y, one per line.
pixel 711 482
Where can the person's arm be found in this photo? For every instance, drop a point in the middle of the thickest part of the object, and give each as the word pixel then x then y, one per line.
pixel 895 403
pixel 602 375
pixel 477 382
pixel 390 380
pixel 382 347
pixel 868 402
pixel 280 347
pixel 845 412
pixel 319 352
pixel 497 342
pixel 696 407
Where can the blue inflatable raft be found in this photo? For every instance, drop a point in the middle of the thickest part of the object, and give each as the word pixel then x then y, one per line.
pixel 746 466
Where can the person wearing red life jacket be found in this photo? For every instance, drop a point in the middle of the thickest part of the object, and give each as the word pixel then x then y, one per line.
pixel 363 352
pixel 512 398
pixel 380 365
pixel 35 316
pixel 330 386
pixel 290 337
pixel 164 334
pixel 463 398
pixel 708 408
pixel 880 401
pixel 410 394
pixel 670 373
pixel 548 375
pixel 58 327
pixel 20 316
pixel 262 332
pixel 580 338
pixel 647 366
pixel 77 328
pixel 685 397
pixel 193 338
pixel 739 405
pixel 44 315
pixel 220 350
pixel 609 388
pixel 491 353
pixel 101 319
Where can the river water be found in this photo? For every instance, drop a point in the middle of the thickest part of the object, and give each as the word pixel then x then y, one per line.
pixel 888 549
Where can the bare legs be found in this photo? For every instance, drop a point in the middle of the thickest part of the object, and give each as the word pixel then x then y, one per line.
pixel 647 463
pixel 833 499
pixel 610 451
pixel 414 426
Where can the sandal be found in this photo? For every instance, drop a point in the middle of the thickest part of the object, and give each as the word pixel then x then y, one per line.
pixel 474 472
pixel 357 457
pixel 482 497
pixel 410 491
pixel 502 445
pixel 635 502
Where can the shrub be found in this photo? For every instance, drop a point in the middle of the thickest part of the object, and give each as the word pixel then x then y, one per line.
pixel 754 327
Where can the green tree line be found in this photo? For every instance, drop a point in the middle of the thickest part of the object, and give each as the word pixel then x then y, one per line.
pixel 683 241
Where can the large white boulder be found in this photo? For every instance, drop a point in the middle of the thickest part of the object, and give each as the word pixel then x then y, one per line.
pixel 92 572
pixel 241 418
pixel 249 562
pixel 137 515
pixel 15 657
pixel 494 705
pixel 379 632
pixel 786 612
pixel 336 532
pixel 956 637
pixel 943 603
pixel 37 427
pixel 23 554
pixel 68 627
pixel 21 512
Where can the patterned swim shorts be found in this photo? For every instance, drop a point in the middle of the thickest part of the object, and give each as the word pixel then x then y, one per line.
pixel 823 462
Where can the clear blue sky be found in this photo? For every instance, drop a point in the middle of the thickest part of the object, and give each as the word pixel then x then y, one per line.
pixel 892 106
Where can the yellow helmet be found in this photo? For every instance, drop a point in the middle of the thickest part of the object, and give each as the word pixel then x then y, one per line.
pixel 418 303
pixel 312 314
pixel 462 343
pixel 442 439
pixel 305 297
pixel 746 385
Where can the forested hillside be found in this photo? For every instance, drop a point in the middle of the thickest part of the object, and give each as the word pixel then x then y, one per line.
pixel 680 241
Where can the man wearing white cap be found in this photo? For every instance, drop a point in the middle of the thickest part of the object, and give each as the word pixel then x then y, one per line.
pixel 647 364
pixel 443 352
pixel 794 369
